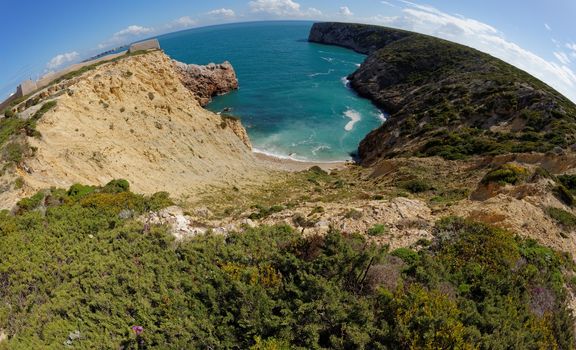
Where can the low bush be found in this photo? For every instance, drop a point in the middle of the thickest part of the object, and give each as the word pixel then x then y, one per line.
pixel 407 255
pixel 377 230
pixel 77 191
pixel 116 186
pixel 30 203
pixel 562 217
pixel 564 195
pixel 14 152
pixel 263 212
pixel 9 113
pixel 416 186
pixel 506 174
pixel 569 181
pixel 77 273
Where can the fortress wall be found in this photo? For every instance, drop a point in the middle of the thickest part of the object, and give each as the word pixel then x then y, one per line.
pixel 144 45
pixel 29 86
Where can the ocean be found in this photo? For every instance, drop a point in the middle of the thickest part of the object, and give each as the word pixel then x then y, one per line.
pixel 294 99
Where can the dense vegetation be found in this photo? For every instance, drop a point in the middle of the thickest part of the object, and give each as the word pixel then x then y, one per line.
pixel 77 269
pixel 13 132
pixel 447 99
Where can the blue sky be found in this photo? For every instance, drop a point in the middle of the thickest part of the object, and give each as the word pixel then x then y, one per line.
pixel 42 36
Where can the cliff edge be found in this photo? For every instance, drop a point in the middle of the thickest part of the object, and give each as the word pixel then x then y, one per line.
pixel 135 119
pixel 447 99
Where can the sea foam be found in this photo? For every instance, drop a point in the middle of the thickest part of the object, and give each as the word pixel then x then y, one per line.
pixel 316 74
pixel 354 116
pixel 346 82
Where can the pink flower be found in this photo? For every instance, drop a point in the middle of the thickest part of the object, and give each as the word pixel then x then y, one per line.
pixel 138 329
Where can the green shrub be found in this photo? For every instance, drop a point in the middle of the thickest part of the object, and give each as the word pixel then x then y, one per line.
pixel 9 113
pixel 8 128
pixel 541 173
pixel 30 203
pixel 301 221
pixel 564 195
pixel 160 200
pixel 416 186
pixel 77 266
pixel 77 191
pixel 14 152
pixel 377 230
pixel 407 255
pixel 569 181
pixel 562 217
pixel 18 183
pixel 263 212
pixel 317 170
pixel 506 174
pixel 116 186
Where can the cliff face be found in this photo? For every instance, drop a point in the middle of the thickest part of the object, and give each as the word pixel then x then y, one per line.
pixel 447 99
pixel 207 81
pixel 361 38
pixel 135 119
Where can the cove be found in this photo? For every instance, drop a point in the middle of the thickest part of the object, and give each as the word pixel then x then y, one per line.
pixel 294 98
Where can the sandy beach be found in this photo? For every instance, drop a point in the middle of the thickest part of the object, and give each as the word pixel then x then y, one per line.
pixel 294 165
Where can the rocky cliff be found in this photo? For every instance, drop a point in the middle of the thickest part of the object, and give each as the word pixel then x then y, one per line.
pixel 447 99
pixel 137 119
pixel 207 81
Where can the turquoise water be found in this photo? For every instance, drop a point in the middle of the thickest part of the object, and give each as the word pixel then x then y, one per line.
pixel 293 97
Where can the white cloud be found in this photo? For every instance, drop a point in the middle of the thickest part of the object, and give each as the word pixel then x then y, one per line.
pixel 275 7
pixel 228 13
pixel 283 8
pixel 345 11
pixel 388 3
pixel 182 22
pixel 314 12
pixel 547 27
pixel 562 57
pixel 572 47
pixel 484 37
pixel 62 59
pixel 125 35
pixel 133 30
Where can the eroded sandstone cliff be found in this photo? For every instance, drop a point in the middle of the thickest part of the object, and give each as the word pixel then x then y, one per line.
pixel 135 119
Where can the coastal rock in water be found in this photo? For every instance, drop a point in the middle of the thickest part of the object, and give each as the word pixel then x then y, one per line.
pixel 207 81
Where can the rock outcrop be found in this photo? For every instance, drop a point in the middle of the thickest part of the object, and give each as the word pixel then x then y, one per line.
pixel 447 99
pixel 207 81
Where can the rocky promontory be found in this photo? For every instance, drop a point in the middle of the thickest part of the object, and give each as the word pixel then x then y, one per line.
pixel 447 99
pixel 207 81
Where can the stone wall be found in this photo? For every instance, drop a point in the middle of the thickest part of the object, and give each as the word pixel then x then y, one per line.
pixel 29 86
pixel 144 45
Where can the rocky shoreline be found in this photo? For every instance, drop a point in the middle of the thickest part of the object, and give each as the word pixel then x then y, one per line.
pixel 439 93
pixel 207 81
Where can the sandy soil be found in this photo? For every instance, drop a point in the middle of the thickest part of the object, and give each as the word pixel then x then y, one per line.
pixel 290 165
